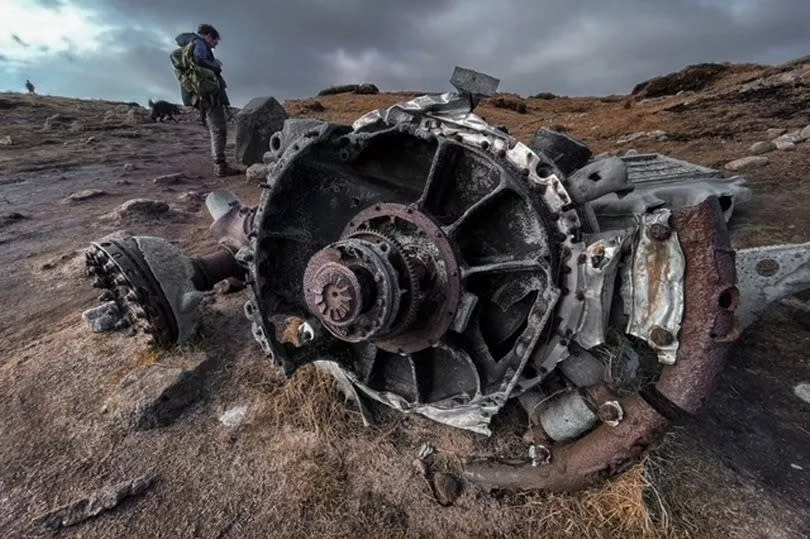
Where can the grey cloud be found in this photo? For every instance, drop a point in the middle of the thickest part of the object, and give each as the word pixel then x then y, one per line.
pixel 293 49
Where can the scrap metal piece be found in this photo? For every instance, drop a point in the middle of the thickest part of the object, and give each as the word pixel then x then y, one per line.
pixel 598 179
pixel 767 274
pixel 567 416
pixel 654 295
pixel 468 81
pixel 600 265
pixel 568 153
pixel 663 181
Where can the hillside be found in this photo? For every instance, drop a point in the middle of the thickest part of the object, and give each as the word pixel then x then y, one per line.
pixel 301 463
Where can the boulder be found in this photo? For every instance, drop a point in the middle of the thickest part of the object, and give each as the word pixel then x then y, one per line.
pixel 567 152
pixel 234 417
pixel 85 194
pixel 142 207
pixel 137 116
pixel 256 173
pixel 103 318
pixel 784 144
pixel 630 138
pixel 805 133
pixel 763 146
pixel 255 124
pixel 775 132
pixel 57 121
pixel 754 161
pixel 691 78
pixel 367 89
pixel 511 103
pixel 167 179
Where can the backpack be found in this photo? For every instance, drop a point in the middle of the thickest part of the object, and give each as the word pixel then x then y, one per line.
pixel 202 83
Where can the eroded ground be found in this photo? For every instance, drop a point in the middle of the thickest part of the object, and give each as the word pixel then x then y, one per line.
pixel 302 464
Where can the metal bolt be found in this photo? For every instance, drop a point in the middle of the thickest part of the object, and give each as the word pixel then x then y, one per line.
pixel 661 337
pixel 611 413
pixel 539 454
pixel 659 232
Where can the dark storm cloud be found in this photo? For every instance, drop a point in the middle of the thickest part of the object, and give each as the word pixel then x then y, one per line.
pixel 19 41
pixel 292 49
pixel 50 4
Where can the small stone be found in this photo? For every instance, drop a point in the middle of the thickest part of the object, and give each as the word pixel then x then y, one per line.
pixel 6 141
pixel 103 318
pixel 754 161
pixel 256 173
pixel 631 152
pixel 234 417
pixel 141 206
pixel 86 193
pixel 56 121
pixel 657 134
pixel 630 138
pixel 76 127
pixel 797 467
pixel 763 146
pixel 123 182
pixel 802 391
pixel 447 488
pixel 795 136
pixel 129 167
pixel 784 145
pixel 168 178
pixel 136 116
pixel 805 133
pixel 90 140
pixel 775 132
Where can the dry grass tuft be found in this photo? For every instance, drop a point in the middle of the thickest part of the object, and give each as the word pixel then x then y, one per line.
pixel 309 400
pixel 619 508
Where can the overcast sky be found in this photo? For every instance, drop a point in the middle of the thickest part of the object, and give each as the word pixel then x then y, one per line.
pixel 118 49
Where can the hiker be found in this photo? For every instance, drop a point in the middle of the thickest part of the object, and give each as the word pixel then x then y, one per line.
pixel 30 87
pixel 202 86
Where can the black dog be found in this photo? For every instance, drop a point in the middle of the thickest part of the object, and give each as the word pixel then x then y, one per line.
pixel 163 109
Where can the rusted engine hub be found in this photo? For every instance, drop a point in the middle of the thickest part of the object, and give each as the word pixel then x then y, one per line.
pixel 392 279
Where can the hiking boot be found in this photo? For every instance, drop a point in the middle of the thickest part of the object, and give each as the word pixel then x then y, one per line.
pixel 224 169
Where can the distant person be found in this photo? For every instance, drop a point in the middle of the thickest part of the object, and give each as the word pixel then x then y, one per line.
pixel 202 86
pixel 30 87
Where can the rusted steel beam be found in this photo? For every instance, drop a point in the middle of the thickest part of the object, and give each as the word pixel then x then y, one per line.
pixel 709 326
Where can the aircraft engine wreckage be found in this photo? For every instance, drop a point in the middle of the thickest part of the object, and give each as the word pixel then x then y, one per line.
pixel 433 263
